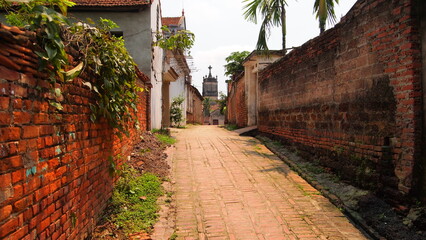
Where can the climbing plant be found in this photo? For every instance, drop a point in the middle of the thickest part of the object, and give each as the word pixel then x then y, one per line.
pixel 115 84
pixel 103 55
pixel 176 116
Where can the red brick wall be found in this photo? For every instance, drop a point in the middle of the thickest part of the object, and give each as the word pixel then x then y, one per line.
pixel 230 105
pixel 350 91
pixel 240 103
pixel 54 168
pixel 237 106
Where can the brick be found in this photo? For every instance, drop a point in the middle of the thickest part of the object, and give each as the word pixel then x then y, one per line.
pixel 28 80
pixel 30 132
pixel 42 193
pixel 5 118
pixel 32 185
pixel 9 134
pixel 4 103
pixel 5 180
pixel 4 88
pixel 10 163
pixel 43 224
pixel 5 212
pixel 41 118
pixel 21 204
pixel 20 233
pixel 17 104
pixel 8 74
pixel 18 176
pixel 19 91
pixel 18 191
pixel 21 117
pixel 8 227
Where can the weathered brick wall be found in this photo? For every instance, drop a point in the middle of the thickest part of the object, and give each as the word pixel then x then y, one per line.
pixel 240 103
pixel 54 167
pixel 196 116
pixel 351 98
pixel 230 105
pixel 237 102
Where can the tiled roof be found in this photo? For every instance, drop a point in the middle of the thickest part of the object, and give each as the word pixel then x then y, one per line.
pixel 111 3
pixel 170 21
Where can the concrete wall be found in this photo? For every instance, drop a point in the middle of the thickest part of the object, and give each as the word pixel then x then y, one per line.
pixel 351 98
pixel 178 88
pixel 252 65
pixel 136 32
pixel 156 67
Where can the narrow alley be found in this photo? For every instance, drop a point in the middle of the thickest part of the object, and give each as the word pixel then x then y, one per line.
pixel 232 187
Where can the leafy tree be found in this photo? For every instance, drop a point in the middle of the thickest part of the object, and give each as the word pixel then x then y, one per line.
pixel 234 64
pixel 176 116
pixel 324 10
pixel 180 40
pixel 207 102
pixel 273 15
pixel 222 103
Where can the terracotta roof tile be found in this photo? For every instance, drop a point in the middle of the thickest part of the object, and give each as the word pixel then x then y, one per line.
pixel 111 3
pixel 170 21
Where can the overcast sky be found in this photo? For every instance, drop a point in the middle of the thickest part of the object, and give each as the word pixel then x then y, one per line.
pixel 220 29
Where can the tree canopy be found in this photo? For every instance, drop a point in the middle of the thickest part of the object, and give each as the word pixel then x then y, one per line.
pixel 234 64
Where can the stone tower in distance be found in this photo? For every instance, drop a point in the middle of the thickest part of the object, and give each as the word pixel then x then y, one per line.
pixel 210 86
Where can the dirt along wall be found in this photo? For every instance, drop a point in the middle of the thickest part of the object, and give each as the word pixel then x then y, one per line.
pixel 351 98
pixel 54 165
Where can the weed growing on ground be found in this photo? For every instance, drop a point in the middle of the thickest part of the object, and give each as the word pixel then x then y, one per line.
pixel 173 236
pixel 165 139
pixel 164 131
pixel 231 127
pixel 134 200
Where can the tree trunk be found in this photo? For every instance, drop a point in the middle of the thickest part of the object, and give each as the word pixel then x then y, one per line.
pixel 283 27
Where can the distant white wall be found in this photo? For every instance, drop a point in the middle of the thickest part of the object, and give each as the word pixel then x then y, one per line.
pixel 157 67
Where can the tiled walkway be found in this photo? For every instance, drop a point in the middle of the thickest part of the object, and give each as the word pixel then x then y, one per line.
pixel 231 187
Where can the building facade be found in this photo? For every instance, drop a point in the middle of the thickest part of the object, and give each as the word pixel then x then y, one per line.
pixel 210 86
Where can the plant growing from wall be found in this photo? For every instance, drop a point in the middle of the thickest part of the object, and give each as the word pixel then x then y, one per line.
pixel 104 56
pixel 176 115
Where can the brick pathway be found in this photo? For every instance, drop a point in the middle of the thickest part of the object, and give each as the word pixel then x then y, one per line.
pixel 231 187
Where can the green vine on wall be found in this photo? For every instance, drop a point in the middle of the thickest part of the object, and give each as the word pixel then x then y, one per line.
pixel 103 55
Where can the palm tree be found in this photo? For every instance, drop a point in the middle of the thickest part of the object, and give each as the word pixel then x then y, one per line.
pixel 325 10
pixel 273 14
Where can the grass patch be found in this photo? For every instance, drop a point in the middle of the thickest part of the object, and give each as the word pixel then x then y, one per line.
pixel 165 139
pixel 231 127
pixel 134 201
pixel 164 131
pixel 174 236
